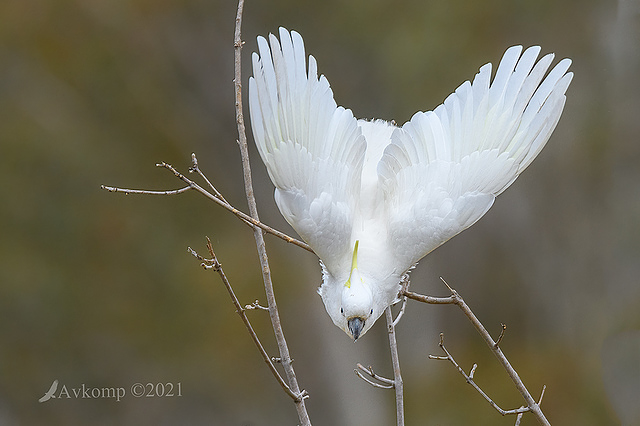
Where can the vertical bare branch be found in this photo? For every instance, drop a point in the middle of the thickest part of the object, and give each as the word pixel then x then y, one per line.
pixel 285 358
pixel 395 361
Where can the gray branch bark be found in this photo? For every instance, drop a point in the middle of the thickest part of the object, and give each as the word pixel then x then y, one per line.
pixel 285 358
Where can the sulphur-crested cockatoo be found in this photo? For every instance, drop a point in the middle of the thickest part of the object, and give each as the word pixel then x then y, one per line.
pixel 371 198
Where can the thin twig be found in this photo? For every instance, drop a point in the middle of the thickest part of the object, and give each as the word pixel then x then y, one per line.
pixel 285 358
pixel 429 299
pixel 145 191
pixel 256 305
pixel 381 382
pixel 249 220
pixel 504 328
pixel 196 169
pixel 544 388
pixel 216 197
pixel 469 379
pixel 401 313
pixel 456 299
pixel 213 263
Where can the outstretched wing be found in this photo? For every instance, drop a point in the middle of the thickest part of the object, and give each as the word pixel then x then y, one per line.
pixel 444 168
pixel 312 148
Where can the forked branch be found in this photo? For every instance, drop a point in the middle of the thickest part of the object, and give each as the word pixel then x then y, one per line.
pixel 214 196
pixel 455 299
pixel 290 385
pixel 213 264
pixel 469 379
pixel 283 348
pixel 368 375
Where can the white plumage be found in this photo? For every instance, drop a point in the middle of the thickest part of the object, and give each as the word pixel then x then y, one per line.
pixel 371 198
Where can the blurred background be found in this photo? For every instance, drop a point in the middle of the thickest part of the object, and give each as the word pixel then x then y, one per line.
pixel 98 290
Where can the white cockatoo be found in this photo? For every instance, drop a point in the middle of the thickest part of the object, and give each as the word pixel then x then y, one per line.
pixel 371 198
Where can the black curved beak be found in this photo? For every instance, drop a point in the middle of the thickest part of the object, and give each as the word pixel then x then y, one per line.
pixel 356 324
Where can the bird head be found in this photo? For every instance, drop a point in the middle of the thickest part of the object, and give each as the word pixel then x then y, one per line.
pixel 351 304
pixel 356 305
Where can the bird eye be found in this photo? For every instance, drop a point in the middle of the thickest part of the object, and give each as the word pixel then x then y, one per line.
pixel 342 311
pixel 371 313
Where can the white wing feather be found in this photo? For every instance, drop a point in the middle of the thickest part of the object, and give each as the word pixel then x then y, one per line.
pixel 443 169
pixel 312 148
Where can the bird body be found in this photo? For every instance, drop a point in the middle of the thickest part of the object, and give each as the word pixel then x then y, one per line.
pixel 371 198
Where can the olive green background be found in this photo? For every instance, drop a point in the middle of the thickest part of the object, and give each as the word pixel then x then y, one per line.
pixel 98 288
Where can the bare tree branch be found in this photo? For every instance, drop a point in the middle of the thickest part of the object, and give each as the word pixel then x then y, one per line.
pixel 215 197
pixel 214 264
pixel 256 305
pixel 289 382
pixel 401 313
pixel 395 361
pixel 456 299
pixel 196 169
pixel 145 191
pixel 290 386
pixel 380 382
pixel 469 379
pixel 285 358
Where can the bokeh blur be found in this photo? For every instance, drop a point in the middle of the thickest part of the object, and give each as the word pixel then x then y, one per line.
pixel 98 290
